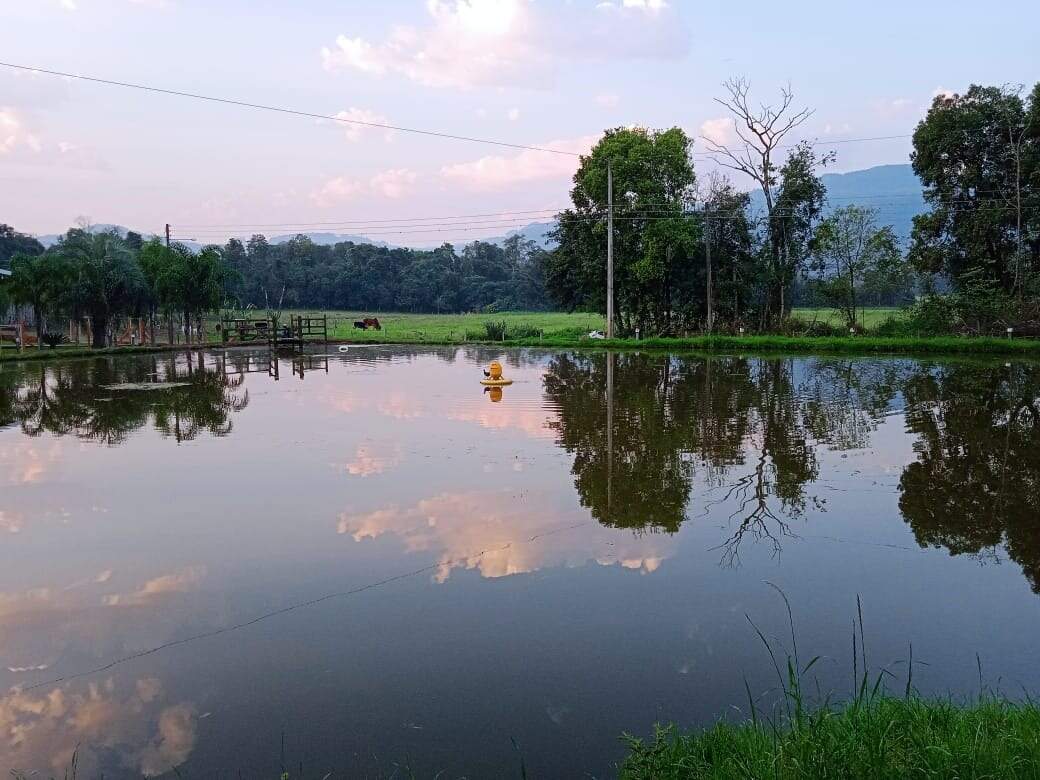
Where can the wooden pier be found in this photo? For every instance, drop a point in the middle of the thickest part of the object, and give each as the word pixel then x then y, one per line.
pixel 296 333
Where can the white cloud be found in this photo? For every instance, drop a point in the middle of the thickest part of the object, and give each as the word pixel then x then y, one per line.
pixel 721 131
pixel 513 114
pixel 497 172
pixel 607 100
pixel 14 134
pixel 336 190
pixel 393 183
pixel 472 43
pixel 943 92
pixel 179 582
pixel 354 132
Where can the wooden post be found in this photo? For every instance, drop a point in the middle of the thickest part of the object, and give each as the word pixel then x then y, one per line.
pixel 21 337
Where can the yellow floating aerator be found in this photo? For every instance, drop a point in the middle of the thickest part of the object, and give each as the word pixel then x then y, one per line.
pixel 493 376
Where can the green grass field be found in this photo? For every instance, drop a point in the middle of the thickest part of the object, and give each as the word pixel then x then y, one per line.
pixel 886 738
pixel 454 327
pixel 869 317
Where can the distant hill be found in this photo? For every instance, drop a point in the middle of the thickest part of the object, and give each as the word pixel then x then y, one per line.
pixel 894 190
pixel 328 239
pixel 51 239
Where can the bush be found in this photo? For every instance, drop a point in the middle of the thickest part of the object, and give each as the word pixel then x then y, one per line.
pixel 524 332
pixel 52 340
pixel 495 331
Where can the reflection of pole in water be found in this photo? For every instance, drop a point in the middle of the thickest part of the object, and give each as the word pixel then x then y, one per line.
pixel 610 431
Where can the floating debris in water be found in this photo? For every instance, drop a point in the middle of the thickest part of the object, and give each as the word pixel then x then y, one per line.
pixel 146 385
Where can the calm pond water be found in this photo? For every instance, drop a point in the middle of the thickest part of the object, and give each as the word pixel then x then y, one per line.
pixel 377 564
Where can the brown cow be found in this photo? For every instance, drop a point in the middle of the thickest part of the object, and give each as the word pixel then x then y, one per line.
pixel 372 322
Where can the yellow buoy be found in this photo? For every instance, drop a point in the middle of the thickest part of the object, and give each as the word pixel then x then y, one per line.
pixel 494 376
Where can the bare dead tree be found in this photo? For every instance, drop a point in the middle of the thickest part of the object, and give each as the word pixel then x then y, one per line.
pixel 761 132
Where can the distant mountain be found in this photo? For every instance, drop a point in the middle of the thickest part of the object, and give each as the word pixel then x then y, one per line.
pixel 51 239
pixel 328 239
pixel 894 190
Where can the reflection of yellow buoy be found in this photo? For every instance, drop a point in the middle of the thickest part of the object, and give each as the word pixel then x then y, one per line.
pixel 493 376
pixel 495 394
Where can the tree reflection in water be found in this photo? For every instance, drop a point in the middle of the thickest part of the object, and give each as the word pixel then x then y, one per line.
pixel 751 426
pixel 975 486
pixel 107 399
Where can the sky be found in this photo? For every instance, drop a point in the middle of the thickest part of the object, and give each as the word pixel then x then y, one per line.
pixel 531 72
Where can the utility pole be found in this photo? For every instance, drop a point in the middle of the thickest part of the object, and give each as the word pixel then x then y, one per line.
pixel 707 260
pixel 167 235
pixel 610 251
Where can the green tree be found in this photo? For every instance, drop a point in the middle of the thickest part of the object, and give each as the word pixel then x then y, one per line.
pixel 192 283
pixel 14 243
pixel 105 280
pixel 847 247
pixel 978 155
pixel 657 282
pixel 40 282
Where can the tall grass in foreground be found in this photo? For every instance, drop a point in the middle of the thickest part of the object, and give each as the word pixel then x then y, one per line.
pixel 873 735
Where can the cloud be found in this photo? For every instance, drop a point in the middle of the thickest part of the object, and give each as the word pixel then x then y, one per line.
pixel 15 135
pixel 500 43
pixel 721 131
pixel 370 460
pixel 393 183
pixel 179 582
pixel 513 114
pixel 499 172
pixel 40 733
pixel 355 132
pixel 335 191
pixel 22 142
pixel 517 538
pixel 607 100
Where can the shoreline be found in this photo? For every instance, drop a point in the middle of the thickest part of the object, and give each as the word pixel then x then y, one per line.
pixel 847 345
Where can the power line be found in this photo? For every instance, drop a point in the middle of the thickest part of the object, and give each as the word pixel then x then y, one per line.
pixel 346 223
pixel 279 110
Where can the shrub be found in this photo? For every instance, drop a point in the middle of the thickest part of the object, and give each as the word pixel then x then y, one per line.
pixel 52 340
pixel 495 331
pixel 524 332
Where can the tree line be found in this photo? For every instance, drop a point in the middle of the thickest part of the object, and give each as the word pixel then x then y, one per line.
pixel 690 254
pixel 977 155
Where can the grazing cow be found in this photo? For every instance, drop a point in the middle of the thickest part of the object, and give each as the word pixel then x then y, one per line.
pixel 372 322
pixel 360 325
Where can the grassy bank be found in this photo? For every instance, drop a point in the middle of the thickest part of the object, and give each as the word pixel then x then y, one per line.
pixel 886 738
pixel 61 353
pixel 556 330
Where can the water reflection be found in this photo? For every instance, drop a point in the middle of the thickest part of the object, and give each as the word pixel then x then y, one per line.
pixel 752 425
pixel 975 486
pixel 621 479
pixel 107 399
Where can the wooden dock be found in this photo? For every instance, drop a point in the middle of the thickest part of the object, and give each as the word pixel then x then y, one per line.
pixel 295 334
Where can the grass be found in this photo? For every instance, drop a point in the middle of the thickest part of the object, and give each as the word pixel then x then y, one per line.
pixel 868 318
pixel 885 738
pixel 873 735
pixel 558 330
pixel 453 328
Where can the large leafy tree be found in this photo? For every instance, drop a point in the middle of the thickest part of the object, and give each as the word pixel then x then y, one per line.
pixel 978 155
pixel 849 247
pixel 105 280
pixel 14 243
pixel 40 282
pixel 192 282
pixel 657 277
